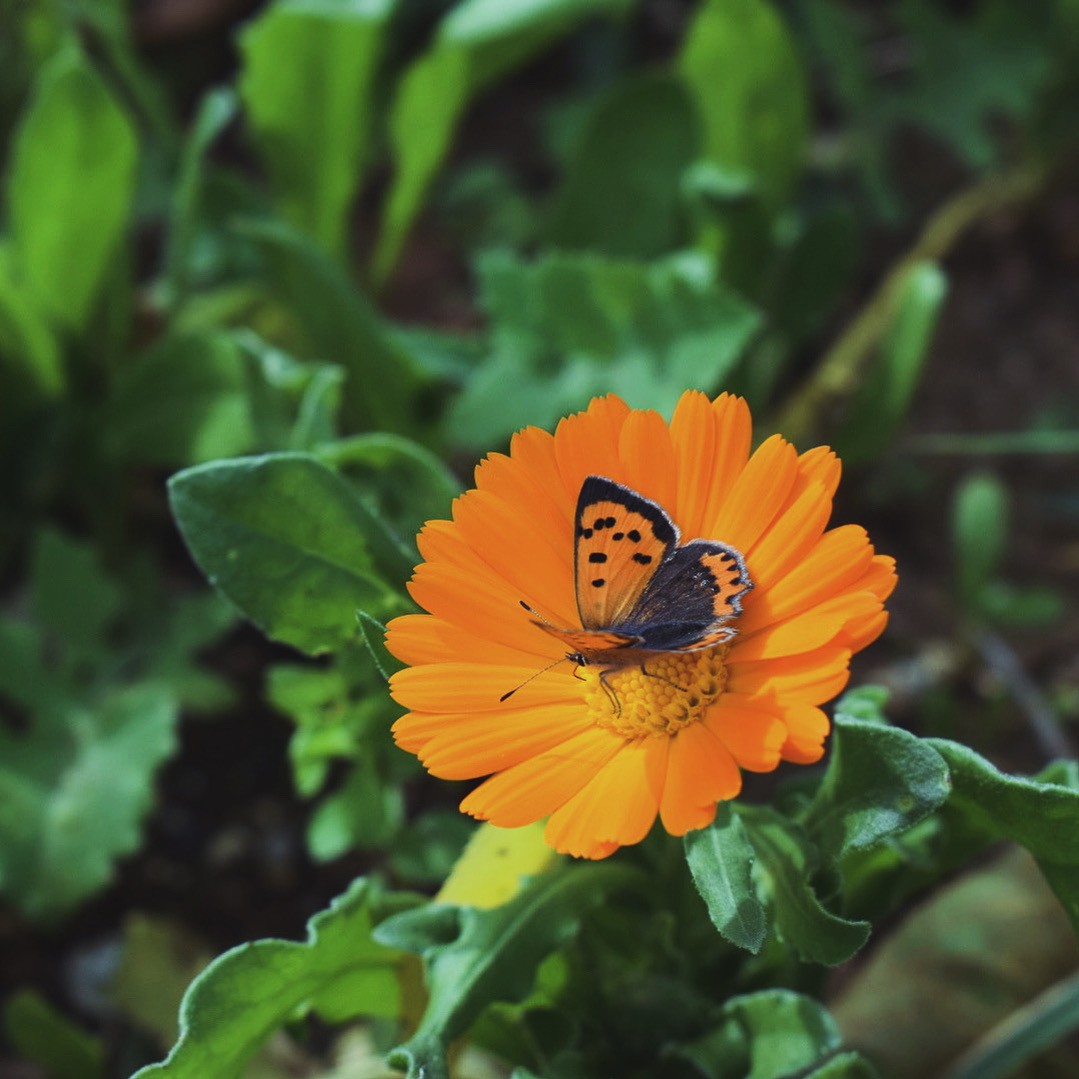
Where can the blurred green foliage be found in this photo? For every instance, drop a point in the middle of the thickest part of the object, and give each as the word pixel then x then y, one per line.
pixel 202 280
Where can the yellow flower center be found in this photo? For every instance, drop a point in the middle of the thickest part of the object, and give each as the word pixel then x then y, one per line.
pixel 672 691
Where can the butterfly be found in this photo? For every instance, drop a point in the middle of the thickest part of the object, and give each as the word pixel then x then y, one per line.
pixel 640 592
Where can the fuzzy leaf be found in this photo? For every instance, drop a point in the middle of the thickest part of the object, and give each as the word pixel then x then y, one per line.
pixel 1042 816
pixel 290 543
pixel 71 181
pixel 75 786
pixel 786 860
pixel 568 326
pixel 880 781
pixel 720 858
pixel 243 996
pixel 475 957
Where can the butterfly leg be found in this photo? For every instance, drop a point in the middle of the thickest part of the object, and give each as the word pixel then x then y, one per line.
pixel 616 704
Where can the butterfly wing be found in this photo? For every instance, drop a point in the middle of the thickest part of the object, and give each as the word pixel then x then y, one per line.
pixel 622 540
pixel 690 600
pixel 590 642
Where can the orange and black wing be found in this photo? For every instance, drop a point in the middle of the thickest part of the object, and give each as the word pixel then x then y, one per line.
pixel 691 599
pixel 622 539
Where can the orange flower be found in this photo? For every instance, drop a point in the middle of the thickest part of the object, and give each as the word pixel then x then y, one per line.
pixel 599 749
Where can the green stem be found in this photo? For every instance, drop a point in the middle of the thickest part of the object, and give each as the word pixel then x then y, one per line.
pixel 841 370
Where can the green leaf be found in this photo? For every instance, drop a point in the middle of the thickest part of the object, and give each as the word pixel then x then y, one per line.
pixel 477 41
pixel 620 195
pixel 307 83
pixel 230 1009
pixel 73 598
pixel 183 401
pixel 290 543
pixel 40 1034
pixel 374 638
pixel 980 532
pixel 786 1032
pixel 366 813
pixel 720 858
pixel 786 860
pixel 773 1034
pixel 567 327
pixel 1041 816
pixel 74 787
pixel 969 71
pixel 885 395
pixel 216 111
pixel 880 781
pixel 341 326
pixel 475 957
pixel 27 343
pixel 407 483
pixel 70 185
pixel 817 267
pixel 845 1066
pixel 740 65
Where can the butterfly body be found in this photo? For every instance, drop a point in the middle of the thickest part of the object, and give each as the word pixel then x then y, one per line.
pixel 639 591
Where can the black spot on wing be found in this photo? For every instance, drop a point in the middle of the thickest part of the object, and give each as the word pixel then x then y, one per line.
pixel 600 489
pixel 682 590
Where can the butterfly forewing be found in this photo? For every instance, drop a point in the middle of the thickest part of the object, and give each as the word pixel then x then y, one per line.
pixel 622 539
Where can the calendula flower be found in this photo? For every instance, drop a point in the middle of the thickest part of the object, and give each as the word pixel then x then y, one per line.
pixel 700 607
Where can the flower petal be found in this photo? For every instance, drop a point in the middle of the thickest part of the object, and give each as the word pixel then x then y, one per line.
pixel 536 787
pixel 791 538
pixel 813 677
pixel 809 630
pixel 586 444
pixel 837 562
pixel 646 451
pixel 465 746
pixel 479 687
pixel 822 466
pixel 757 495
pixel 751 731
pixel 481 604
pixel 711 445
pixel 807 727
pixel 700 772
pixel 423 638
pixel 618 805
pixel 522 549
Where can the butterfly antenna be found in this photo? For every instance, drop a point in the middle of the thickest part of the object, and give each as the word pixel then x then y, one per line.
pixel 532 610
pixel 536 674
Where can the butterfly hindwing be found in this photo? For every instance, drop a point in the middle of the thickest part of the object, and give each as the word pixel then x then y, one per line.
pixel 621 541
pixel 701 580
pixel 689 601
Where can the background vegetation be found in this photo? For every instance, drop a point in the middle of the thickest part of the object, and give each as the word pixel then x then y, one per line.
pixel 311 260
